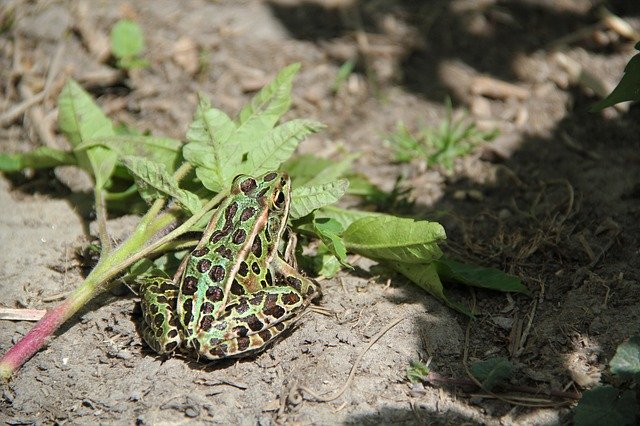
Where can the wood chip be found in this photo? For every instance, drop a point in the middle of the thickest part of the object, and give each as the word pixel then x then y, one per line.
pixel 494 88
pixel 185 54
pixel 21 314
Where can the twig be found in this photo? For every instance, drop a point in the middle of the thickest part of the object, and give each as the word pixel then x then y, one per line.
pixel 354 367
pixel 21 314
pixel 435 378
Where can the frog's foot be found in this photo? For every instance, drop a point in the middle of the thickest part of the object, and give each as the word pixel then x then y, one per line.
pixel 158 298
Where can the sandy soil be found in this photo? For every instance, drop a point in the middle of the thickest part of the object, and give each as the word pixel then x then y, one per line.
pixel 555 200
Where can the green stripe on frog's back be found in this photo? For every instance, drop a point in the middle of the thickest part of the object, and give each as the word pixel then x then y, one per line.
pixel 253 275
pixel 214 263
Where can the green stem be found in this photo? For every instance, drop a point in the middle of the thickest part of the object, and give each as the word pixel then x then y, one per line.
pixel 107 268
pixel 101 218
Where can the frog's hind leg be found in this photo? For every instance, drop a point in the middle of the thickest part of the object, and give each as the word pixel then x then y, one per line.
pixel 158 298
pixel 253 320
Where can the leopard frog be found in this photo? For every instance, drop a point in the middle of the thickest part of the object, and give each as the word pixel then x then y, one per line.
pixel 233 294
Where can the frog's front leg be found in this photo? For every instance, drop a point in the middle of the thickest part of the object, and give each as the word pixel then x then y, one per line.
pixel 158 298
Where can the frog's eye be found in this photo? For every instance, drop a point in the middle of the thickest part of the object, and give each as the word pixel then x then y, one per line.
pixel 279 200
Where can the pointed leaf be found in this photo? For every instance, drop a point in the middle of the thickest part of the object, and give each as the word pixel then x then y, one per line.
pixel 626 361
pixel 154 182
pixel 606 406
pixel 157 149
pixel 279 144
pixel 344 216
pixel 396 239
pixel 306 199
pixel 210 149
pixel 329 230
pixel 478 276
pixel 303 168
pixel 80 119
pixel 426 277
pixel 628 89
pixel 127 40
pixel 40 158
pixel 265 109
pixel 492 372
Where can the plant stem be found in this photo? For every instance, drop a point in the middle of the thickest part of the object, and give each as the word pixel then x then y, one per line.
pixel 101 218
pixel 109 266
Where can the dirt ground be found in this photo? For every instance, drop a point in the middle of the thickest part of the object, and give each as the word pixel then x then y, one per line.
pixel 555 200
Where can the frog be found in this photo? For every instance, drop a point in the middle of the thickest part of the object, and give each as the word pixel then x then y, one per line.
pixel 235 292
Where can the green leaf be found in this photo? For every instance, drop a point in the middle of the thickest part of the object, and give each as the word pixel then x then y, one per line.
pixel 155 182
pixel 157 149
pixel 607 406
pixel 40 158
pixel 80 119
pixel 306 199
pixel 210 149
pixel 329 230
pixel 478 276
pixel 492 372
pixel 265 109
pixel 396 239
pixel 344 216
pixel 334 171
pixel 127 40
pixel 626 361
pixel 417 371
pixel 279 144
pixel 628 89
pixel 328 266
pixel 426 277
pixel 302 168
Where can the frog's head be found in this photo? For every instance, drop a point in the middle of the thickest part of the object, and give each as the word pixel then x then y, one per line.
pixel 271 190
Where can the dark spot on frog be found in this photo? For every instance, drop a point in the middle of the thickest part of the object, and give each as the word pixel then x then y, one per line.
pixel 274 311
pixel 214 294
pixel 243 307
pixel 239 236
pixel 243 269
pixel 204 265
pixel 269 278
pixel 236 288
pixel 158 320
pixel 171 346
pixel 206 322
pixel 247 214
pixel 256 247
pixel 207 308
pixel 265 335
pixel 240 330
pixel 200 252
pixel 216 273
pixel 173 333
pixel 189 285
pixel 248 185
pixel 270 176
pixel 243 344
pixel 230 212
pixel 254 323
pixel 255 268
pixel 186 306
pixel 257 299
pixel 290 298
pixel 294 282
pixel 225 252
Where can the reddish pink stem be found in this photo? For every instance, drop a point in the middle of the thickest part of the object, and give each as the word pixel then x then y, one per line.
pixel 34 340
